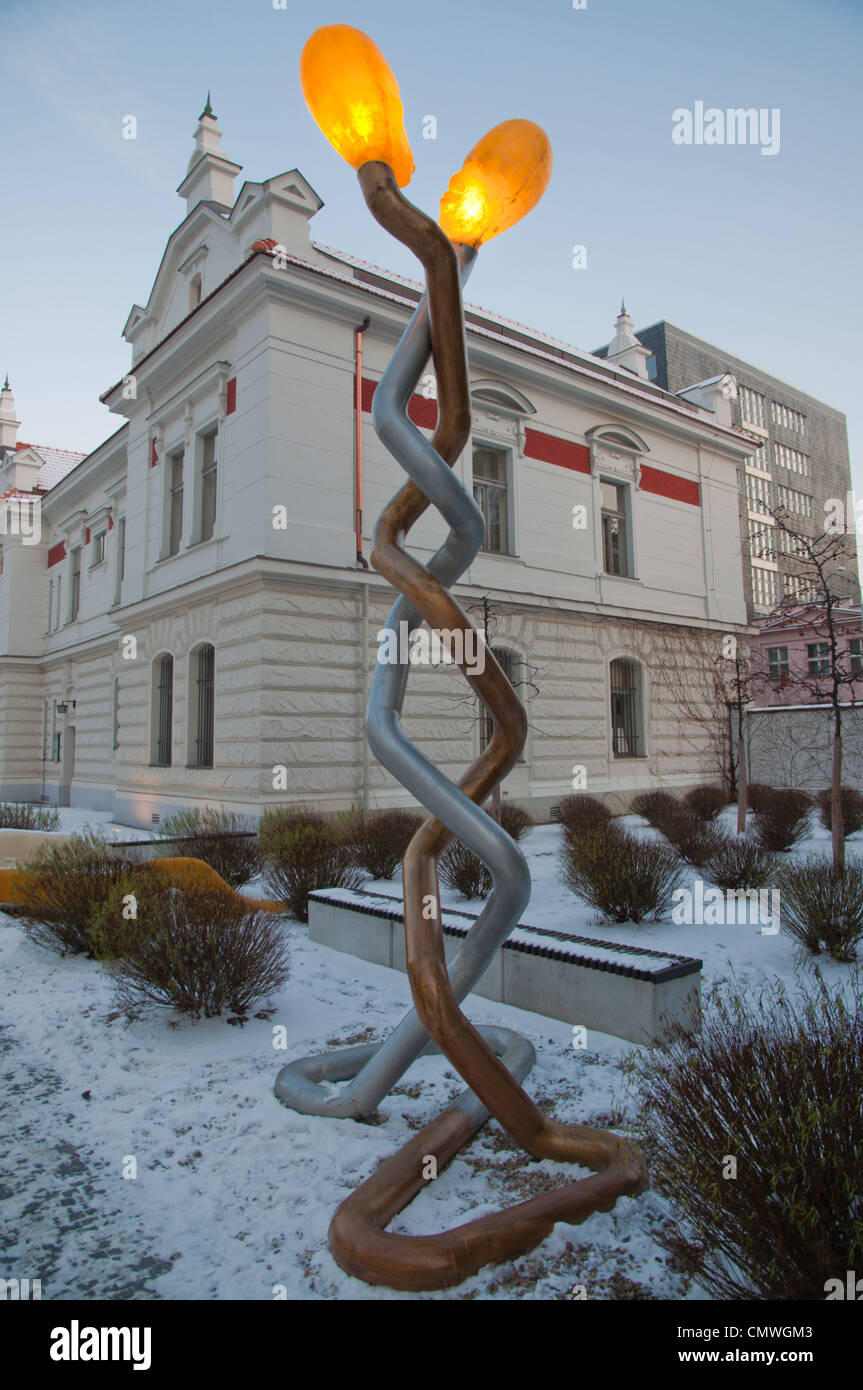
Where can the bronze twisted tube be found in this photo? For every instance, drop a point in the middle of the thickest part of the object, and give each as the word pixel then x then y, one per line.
pixel 358 1236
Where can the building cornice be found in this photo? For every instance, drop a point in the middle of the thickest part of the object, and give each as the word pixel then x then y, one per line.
pixel 311 278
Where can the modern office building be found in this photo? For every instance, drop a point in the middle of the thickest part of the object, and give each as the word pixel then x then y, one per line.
pixel 802 462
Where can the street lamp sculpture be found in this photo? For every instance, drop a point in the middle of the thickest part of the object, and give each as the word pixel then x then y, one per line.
pixel 354 97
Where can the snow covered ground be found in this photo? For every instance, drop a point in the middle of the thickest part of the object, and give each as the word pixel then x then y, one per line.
pixel 233 1193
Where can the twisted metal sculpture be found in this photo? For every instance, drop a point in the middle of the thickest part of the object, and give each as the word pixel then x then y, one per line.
pixel 493 1061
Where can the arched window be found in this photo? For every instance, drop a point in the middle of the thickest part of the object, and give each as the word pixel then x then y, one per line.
pixel 510 663
pixel 627 708
pixel 162 735
pixel 201 706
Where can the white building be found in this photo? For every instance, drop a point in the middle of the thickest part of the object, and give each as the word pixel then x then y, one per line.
pixel 195 625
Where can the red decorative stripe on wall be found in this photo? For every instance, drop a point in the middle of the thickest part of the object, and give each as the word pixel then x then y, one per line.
pixel 669 485
pixel 421 411
pixel 110 523
pixel 56 554
pixel 87 536
pixel 154 457
pixel 562 452
pixel 231 396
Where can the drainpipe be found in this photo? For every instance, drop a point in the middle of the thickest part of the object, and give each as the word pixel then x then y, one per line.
pixel 44 746
pixel 358 446
pixel 365 685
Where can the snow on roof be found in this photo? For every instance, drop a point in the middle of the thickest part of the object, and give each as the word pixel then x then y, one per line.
pixel 477 309
pixel 56 463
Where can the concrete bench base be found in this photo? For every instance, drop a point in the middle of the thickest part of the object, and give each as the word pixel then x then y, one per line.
pixel 627 991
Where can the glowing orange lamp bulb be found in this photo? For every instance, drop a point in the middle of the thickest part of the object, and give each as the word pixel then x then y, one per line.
pixel 350 90
pixel 503 177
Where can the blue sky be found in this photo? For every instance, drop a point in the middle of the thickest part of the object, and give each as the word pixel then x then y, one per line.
pixel 757 254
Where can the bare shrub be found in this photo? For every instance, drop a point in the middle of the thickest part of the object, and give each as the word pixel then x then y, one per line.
pixel 758 794
pixel 59 887
pixel 624 877
pixel 272 823
pixel 851 802
pixel 198 952
pixel 20 815
pixel 693 838
pixel 204 834
pixel 776 1084
pixel 822 907
pixel 655 807
pixel 515 820
pixel 738 862
pixel 580 812
pixel 781 819
pixel 379 841
pixel 706 801
pixel 302 858
pixel 463 871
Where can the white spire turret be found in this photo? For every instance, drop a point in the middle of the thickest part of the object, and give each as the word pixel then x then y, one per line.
pixel 9 425
pixel 624 349
pixel 210 175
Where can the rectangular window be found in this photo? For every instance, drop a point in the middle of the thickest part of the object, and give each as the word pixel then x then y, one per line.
pixel 788 419
pixel 627 713
pixel 50 604
pixel 818 657
pixel 203 726
pixel 855 652
pixel 490 492
pixel 761 540
pixel 764 589
pixel 510 665
pixel 792 459
pixel 164 712
pixel 777 661
pixel 120 559
pixel 799 588
pixel 55 621
pixel 75 583
pixel 175 503
pixel 98 550
pixel 209 476
pixel 758 493
pixel 115 720
pixel 616 547
pixel 798 503
pixel 752 407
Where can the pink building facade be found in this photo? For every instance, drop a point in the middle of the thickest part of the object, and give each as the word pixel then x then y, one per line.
pixel 792 661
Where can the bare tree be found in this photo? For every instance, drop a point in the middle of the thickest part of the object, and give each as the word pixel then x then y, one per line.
pixel 815 564
pixel 713 689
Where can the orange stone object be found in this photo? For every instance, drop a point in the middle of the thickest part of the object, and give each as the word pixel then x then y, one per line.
pixel 353 95
pixel 503 177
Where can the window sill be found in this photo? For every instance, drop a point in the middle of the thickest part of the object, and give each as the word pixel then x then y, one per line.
pixel 184 550
pixel 97 565
pixel 631 578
